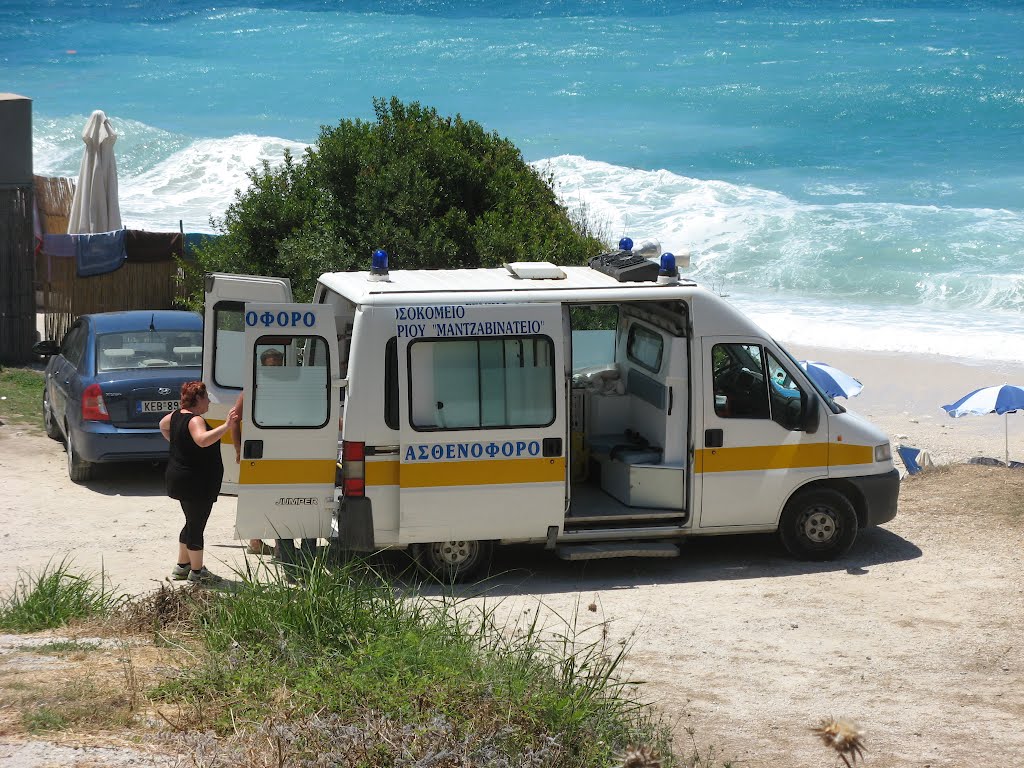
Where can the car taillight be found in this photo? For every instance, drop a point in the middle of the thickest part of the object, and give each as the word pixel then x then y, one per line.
pixel 353 468
pixel 93 407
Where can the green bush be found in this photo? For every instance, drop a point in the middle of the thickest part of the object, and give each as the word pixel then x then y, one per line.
pixel 433 191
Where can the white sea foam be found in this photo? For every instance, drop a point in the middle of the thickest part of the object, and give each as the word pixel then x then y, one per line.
pixel 197 183
pixel 865 275
pixel 163 178
pixel 860 275
pixel 797 319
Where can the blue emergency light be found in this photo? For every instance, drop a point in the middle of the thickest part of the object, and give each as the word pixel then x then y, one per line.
pixel 626 244
pixel 668 265
pixel 379 267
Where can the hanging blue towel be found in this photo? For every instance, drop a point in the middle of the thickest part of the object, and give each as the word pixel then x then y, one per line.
pixel 61 246
pixel 100 253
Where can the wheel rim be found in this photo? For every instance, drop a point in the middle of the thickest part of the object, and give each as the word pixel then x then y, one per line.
pixel 819 525
pixel 454 554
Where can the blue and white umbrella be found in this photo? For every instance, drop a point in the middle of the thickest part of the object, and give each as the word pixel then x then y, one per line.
pixel 834 382
pixel 1002 400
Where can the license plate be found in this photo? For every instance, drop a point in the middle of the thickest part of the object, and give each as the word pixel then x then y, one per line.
pixel 156 406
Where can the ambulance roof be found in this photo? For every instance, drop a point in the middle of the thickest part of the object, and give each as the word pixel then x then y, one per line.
pixel 493 286
pixel 499 284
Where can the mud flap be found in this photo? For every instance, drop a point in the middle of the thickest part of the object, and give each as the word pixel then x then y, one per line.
pixel 355 525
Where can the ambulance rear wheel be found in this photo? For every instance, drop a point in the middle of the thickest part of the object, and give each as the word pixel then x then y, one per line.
pixel 818 524
pixel 452 561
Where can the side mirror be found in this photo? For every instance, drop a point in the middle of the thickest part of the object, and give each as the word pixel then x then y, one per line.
pixel 46 348
pixel 811 413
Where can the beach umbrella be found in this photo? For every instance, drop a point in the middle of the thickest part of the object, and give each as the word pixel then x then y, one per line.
pixel 1001 400
pixel 834 382
pixel 94 206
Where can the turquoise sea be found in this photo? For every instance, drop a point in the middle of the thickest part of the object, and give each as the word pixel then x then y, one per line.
pixel 849 173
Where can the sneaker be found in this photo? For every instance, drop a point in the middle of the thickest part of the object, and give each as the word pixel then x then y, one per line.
pixel 204 576
pixel 180 572
pixel 262 549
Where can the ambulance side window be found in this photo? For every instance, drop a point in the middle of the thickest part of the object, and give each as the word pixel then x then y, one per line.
pixel 645 347
pixel 391 383
pixel 739 382
pixel 229 344
pixel 292 379
pixel 786 395
pixel 479 383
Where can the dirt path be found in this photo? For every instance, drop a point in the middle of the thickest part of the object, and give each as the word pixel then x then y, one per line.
pixel 915 635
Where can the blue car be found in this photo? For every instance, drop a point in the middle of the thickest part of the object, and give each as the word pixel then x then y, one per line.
pixel 112 379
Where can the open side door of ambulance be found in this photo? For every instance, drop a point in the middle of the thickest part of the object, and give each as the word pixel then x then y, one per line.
pixel 289 422
pixel 224 348
pixel 483 422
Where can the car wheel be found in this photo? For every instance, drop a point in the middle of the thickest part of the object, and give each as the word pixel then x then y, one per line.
pixel 79 470
pixel 818 524
pixel 52 430
pixel 453 561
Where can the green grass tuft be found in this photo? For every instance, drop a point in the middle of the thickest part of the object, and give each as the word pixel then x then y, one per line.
pixel 55 597
pixel 22 390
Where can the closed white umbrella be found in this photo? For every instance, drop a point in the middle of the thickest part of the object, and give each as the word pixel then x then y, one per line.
pixel 94 207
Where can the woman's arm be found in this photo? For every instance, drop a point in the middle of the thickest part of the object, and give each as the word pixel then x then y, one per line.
pixel 165 427
pixel 236 428
pixel 204 437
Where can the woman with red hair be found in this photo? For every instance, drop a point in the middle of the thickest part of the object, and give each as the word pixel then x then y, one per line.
pixel 194 474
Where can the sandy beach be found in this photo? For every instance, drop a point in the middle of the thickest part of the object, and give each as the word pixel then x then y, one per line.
pixel 736 640
pixel 904 395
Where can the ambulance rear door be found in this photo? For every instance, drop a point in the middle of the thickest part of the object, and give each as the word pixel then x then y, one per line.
pixel 224 348
pixel 289 422
pixel 483 421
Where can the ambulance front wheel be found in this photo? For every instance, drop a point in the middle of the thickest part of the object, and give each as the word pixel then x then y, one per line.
pixel 818 524
pixel 452 561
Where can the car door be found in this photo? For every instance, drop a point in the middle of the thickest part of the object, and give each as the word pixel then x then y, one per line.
pixel 755 451
pixel 224 348
pixel 62 381
pixel 289 458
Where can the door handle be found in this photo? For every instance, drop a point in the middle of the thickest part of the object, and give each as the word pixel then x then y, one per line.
pixel 713 438
pixel 551 447
pixel 252 449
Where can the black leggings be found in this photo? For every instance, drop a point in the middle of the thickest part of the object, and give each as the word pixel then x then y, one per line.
pixel 196 515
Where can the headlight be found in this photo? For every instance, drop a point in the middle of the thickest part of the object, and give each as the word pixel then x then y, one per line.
pixel 883 452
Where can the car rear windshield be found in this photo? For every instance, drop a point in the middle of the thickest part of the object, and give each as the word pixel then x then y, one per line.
pixel 149 349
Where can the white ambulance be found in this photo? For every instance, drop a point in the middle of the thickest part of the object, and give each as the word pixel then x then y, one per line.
pixel 448 411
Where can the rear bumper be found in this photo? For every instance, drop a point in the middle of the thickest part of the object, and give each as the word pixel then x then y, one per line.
pixel 880 493
pixel 99 443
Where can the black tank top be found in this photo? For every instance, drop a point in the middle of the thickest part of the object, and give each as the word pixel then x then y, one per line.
pixel 193 473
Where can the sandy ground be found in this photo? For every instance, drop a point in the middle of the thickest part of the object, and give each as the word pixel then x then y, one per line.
pixel 915 634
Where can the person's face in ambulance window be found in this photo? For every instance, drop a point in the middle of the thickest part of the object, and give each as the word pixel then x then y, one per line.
pixel 272 357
